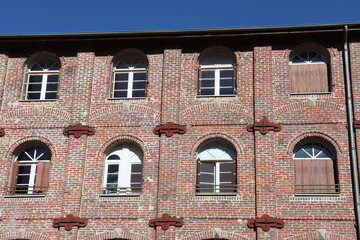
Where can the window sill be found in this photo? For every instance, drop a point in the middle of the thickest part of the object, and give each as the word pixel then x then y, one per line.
pixel 311 93
pixel 135 98
pixel 215 194
pixel 120 195
pixel 25 196
pixel 317 195
pixel 214 96
pixel 38 100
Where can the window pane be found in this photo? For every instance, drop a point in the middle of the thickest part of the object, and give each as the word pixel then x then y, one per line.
pixel 299 153
pixel 206 92
pixel 226 74
pixel 35 78
pixel 113 168
pixel 207 83
pixel 44 154
pixel 139 85
pixel 34 87
pixel 53 78
pixel 207 167
pixel 121 85
pixel 226 167
pixel 226 82
pixel 207 74
pixel 206 178
pixel 112 178
pixel 121 76
pixel 226 177
pixel 23 179
pixel 139 76
pixel 33 96
pixel 51 87
pixel 24 169
pixel 120 94
pixel 226 91
pixel 140 93
pixel 51 95
pixel 114 157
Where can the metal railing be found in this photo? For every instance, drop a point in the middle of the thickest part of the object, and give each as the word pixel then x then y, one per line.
pixel 25 190
pixel 221 189
pixel 317 189
pixel 121 190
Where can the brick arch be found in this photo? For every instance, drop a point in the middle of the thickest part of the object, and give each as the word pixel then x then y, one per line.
pixel 18 143
pixel 129 51
pixel 310 45
pixel 63 116
pixel 297 139
pixel 123 138
pixel 123 234
pixel 315 235
pixel 43 53
pixel 118 109
pixel 210 136
pixel 25 235
pixel 210 234
pixel 295 106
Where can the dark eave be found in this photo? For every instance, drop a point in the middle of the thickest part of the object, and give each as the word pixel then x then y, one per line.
pixel 185 33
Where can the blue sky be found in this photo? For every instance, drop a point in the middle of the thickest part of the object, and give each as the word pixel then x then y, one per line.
pixel 44 16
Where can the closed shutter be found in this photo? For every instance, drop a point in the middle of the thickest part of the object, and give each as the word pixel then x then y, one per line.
pixel 309 78
pixel 136 178
pixel 227 177
pixel 207 177
pixel 42 177
pixel 14 178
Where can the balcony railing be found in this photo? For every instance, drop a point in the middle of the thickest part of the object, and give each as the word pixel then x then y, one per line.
pixel 25 190
pixel 317 189
pixel 222 189
pixel 121 190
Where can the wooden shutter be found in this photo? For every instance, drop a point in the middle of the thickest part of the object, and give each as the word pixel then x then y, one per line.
pixel 42 177
pixel 308 78
pixel 14 177
pixel 136 177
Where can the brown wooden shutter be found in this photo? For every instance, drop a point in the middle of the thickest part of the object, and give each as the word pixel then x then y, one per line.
pixel 136 177
pixel 14 177
pixel 42 177
pixel 308 78
pixel 197 175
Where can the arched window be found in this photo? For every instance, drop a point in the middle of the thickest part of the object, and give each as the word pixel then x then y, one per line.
pixel 309 72
pixel 123 170
pixel 315 168
pixel 216 77
pixel 216 169
pixel 31 170
pixel 129 79
pixel 42 79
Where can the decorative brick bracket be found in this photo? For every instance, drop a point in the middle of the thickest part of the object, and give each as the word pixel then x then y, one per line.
pixel 356 124
pixel 169 129
pixel 264 126
pixel 265 222
pixel 69 222
pixel 77 130
pixel 2 132
pixel 166 221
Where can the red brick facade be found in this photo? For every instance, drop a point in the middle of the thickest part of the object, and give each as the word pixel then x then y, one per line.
pixel 264 162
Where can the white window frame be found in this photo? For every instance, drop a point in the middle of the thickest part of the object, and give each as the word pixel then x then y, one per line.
pixel 33 163
pixel 217 68
pixel 128 155
pixel 44 73
pixel 131 70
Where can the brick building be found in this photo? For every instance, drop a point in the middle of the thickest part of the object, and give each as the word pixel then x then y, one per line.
pixel 234 133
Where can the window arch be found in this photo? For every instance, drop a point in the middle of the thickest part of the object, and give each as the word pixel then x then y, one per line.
pixel 30 170
pixel 217 73
pixel 129 76
pixel 216 168
pixel 123 170
pixel 42 78
pixel 309 71
pixel 315 167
